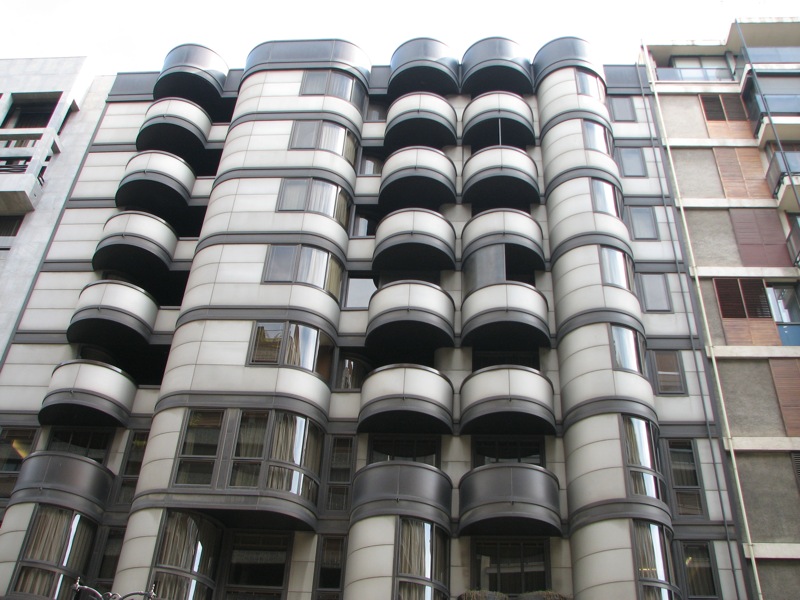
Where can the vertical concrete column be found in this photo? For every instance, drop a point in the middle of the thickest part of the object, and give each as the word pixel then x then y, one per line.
pixel 370 558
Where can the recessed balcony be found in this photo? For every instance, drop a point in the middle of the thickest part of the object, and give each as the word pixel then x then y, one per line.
pixel 406 399
pixel 120 318
pixel 402 488
pixel 410 316
pixel 509 315
pixel 500 177
pixel 417 177
pixel 23 159
pixel 507 399
pixel 423 65
pixel 198 74
pixel 498 118
pixel 414 237
pixel 64 479
pixel 509 227
pixel 159 183
pixel 182 128
pixel 420 120
pixel 509 499
pixel 85 392
pixel 142 246
pixel 495 64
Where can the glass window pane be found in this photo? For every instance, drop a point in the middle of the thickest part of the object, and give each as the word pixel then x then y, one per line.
pixel 622 109
pixel 596 137
pixel 639 443
pixel 314 82
pixel 281 263
pixel 194 472
pixel 699 574
pixel 245 474
pixel 359 291
pixel 312 267
pixel 614 267
pixel 15 445
pixel 323 198
pixel 202 433
pixel 655 293
pixel 625 349
pixel 606 198
pixel 332 138
pixel 652 552
pixel 111 552
pixel 268 343
pixel 643 222
pixel 669 379
pixel 252 431
pixel 785 304
pixel 631 162
pixel 301 346
pixel 293 194
pixel 288 437
pixel 340 85
pixel 304 134
pixel 333 281
pixel 323 364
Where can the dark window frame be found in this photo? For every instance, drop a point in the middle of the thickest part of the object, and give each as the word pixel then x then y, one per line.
pixel 517 440
pixel 685 446
pixel 298 277
pixel 414 439
pixel 340 215
pixel 357 95
pixel 350 143
pixel 660 386
pixel 328 592
pixel 638 340
pixel 636 169
pixel 475 541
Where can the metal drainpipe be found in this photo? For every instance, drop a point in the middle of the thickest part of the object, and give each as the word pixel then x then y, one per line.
pixel 711 352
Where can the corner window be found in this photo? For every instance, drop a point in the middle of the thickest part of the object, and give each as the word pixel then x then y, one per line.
pixel 304 264
pixel 616 268
pixel 606 198
pixel 422 449
pixel 643 464
pixel 324 135
pixel 16 443
pixel 654 292
pixel 590 84
pixel 642 222
pixel 622 109
pixel 423 561
pixel 667 372
pixel 626 349
pixel 597 137
pixel 334 83
pixel 315 196
pixel 685 478
pixel 57 550
pixel 631 162
pixel 293 344
pixel 509 566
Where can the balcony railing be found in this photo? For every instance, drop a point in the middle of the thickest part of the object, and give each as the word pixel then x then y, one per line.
pixel 23 155
pixel 693 74
pixel 778 54
pixel 778 168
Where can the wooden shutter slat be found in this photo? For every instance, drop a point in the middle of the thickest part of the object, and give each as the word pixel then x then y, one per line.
pixel 755 299
pixel 730 172
pixel 712 106
pixel 729 298
pixel 734 109
pixel 786 376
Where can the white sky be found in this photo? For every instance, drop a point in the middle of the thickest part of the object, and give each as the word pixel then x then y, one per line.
pixel 135 35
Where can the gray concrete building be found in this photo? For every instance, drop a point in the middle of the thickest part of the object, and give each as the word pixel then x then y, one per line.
pixel 730 114
pixel 317 329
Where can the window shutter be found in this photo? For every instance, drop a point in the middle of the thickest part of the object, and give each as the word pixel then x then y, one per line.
pixel 729 297
pixel 760 238
pixel 734 109
pixel 786 376
pixel 742 172
pixel 712 106
pixel 755 299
